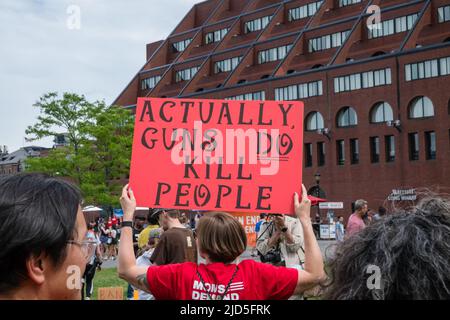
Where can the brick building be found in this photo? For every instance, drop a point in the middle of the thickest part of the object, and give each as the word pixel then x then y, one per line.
pixel 376 92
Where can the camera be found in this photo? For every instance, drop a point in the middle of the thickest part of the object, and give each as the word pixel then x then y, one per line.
pixel 273 256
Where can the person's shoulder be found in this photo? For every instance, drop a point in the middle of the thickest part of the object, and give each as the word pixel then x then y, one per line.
pixel 248 264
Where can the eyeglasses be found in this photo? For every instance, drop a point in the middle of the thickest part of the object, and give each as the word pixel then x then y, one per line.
pixel 87 247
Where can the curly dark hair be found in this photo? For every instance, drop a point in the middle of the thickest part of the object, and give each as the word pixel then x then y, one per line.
pixel 410 249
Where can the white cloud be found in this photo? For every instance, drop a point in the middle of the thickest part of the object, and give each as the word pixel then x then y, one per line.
pixel 39 53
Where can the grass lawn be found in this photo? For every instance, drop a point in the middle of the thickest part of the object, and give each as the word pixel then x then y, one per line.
pixel 108 278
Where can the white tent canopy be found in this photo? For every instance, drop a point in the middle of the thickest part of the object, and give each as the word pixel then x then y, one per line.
pixel 91 209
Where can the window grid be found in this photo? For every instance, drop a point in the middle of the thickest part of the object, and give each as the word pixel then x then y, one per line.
pixel 421 107
pixel 430 145
pixel 305 11
pixel 320 154
pixel 226 65
pixel 363 80
pixel 273 54
pixel 314 121
pixel 150 83
pixel 374 149
pixel 347 117
pixel 344 3
pixel 354 151
pixel 427 69
pixel 299 91
pixel 215 36
pixel 340 151
pixel 180 46
pixel 257 24
pixel 327 41
pixel 259 95
pixel 390 148
pixel 186 74
pixel 308 155
pixel 381 112
pixel 444 14
pixel 391 26
pixel 413 139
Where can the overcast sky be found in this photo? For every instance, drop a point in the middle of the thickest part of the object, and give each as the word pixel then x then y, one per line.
pixel 42 50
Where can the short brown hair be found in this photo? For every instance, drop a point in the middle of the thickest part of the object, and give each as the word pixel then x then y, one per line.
pixel 221 237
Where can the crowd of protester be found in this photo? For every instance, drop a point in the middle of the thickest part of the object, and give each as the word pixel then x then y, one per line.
pixel 170 255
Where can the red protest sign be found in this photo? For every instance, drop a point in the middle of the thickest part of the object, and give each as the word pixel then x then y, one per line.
pixel 238 156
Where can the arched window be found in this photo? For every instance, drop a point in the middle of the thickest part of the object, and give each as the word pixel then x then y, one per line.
pixel 314 121
pixel 421 107
pixel 381 112
pixel 347 117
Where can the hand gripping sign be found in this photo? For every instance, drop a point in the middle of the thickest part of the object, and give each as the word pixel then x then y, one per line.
pixel 236 156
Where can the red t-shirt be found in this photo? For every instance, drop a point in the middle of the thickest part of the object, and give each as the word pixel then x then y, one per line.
pixel 253 281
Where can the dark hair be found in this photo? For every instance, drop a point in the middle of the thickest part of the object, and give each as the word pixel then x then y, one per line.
pixel 221 236
pixel 37 214
pixel 382 211
pixel 153 216
pixel 262 216
pixel 411 250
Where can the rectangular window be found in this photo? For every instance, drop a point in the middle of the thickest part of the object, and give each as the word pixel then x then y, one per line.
pixel 392 26
pixel 305 11
pixel 363 80
pixel 444 66
pixel 259 95
pixel 340 151
pixel 354 151
pixel 427 69
pixel 390 148
pixel 215 36
pixel 273 54
pixel 320 154
pixel 344 3
pixel 226 65
pixel 308 155
pixel 413 139
pixel 150 83
pixel 430 145
pixel 300 91
pixel 328 41
pixel 374 149
pixel 181 45
pixel 186 74
pixel 444 14
pixel 257 24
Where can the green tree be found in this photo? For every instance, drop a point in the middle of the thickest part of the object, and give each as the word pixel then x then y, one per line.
pixel 98 152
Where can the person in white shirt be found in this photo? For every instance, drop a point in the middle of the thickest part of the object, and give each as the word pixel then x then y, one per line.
pixel 144 259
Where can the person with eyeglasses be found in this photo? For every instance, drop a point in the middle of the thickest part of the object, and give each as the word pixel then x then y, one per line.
pixel 43 238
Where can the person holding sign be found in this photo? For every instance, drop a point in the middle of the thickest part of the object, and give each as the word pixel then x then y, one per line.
pixel 221 240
